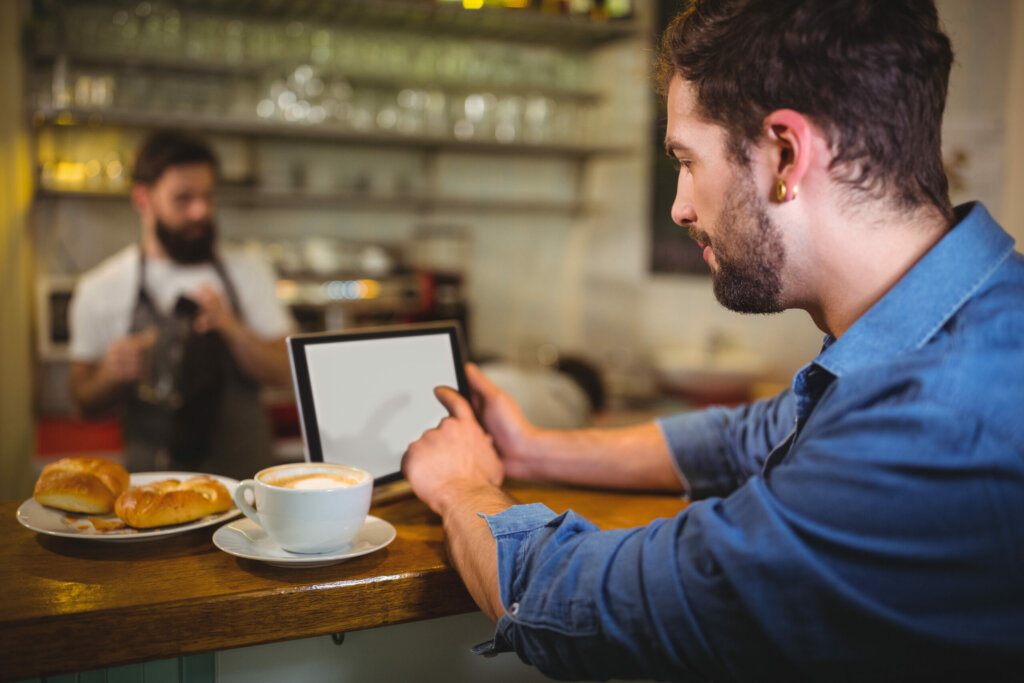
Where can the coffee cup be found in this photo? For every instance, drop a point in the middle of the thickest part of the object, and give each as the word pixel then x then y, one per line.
pixel 308 507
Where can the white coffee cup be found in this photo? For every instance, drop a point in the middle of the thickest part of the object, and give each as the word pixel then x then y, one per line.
pixel 308 507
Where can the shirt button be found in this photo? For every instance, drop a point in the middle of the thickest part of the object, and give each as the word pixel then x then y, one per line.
pixel 513 609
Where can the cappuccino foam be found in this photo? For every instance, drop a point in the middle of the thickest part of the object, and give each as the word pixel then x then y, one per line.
pixel 313 481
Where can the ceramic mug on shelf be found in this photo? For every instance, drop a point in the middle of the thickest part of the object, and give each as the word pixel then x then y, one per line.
pixel 308 507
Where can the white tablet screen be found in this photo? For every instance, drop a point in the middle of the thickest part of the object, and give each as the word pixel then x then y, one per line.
pixel 373 397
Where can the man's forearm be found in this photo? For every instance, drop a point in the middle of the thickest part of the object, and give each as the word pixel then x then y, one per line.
pixel 92 390
pixel 471 546
pixel 266 361
pixel 634 457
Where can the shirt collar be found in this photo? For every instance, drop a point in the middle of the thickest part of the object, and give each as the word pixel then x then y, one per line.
pixel 926 297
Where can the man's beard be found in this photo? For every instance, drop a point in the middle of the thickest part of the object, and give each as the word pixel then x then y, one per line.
pixel 749 253
pixel 190 245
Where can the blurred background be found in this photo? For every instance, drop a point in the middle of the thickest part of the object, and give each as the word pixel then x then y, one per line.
pixel 493 161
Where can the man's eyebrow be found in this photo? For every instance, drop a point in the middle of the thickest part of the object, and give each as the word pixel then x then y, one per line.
pixel 672 146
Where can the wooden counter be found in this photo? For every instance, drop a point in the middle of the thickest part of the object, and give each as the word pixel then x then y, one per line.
pixel 74 605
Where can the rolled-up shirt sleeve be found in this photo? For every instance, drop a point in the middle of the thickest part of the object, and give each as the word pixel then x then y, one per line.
pixel 584 604
pixel 718 449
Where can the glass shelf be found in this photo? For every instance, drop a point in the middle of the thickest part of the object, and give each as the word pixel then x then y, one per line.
pixel 186 67
pixel 439 18
pixel 254 196
pixel 221 124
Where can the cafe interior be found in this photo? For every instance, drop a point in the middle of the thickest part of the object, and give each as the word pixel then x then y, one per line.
pixel 494 162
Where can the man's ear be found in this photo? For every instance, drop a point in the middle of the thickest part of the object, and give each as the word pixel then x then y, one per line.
pixel 790 136
pixel 141 199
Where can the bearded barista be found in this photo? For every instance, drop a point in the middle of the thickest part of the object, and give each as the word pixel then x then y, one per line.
pixel 177 334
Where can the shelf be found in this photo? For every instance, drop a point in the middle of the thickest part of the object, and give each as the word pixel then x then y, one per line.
pixel 450 19
pixel 230 196
pixel 193 67
pixel 224 125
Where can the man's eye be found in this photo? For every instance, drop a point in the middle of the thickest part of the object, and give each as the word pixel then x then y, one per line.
pixel 677 163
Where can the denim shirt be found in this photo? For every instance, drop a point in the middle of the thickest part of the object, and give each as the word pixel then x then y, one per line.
pixel 867 523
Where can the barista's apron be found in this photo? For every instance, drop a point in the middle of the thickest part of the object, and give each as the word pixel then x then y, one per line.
pixel 223 428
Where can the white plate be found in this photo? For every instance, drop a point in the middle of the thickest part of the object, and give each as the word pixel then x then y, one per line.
pixel 245 538
pixel 53 522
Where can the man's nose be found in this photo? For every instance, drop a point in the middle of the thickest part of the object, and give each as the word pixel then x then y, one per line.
pixel 683 211
pixel 199 209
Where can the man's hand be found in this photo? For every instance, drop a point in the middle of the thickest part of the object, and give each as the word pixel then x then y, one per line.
pixel 454 469
pixel 635 457
pixel 96 387
pixel 504 421
pixel 264 360
pixel 454 458
pixel 215 313
pixel 122 362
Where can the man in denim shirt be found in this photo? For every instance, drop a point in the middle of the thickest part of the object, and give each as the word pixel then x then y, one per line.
pixel 865 524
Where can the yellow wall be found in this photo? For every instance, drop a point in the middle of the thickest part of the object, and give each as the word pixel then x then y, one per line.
pixel 16 422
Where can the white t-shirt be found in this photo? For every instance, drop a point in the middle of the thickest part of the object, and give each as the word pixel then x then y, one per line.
pixel 104 297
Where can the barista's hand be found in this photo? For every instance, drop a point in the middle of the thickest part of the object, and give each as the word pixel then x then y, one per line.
pixel 122 362
pixel 503 419
pixel 455 457
pixel 215 312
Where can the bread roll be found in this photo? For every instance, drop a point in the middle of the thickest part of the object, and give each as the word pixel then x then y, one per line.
pixel 163 503
pixel 81 484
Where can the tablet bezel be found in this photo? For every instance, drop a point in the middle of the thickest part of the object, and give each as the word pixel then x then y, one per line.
pixel 303 388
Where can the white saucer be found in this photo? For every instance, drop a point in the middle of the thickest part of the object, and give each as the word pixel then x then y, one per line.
pixel 245 538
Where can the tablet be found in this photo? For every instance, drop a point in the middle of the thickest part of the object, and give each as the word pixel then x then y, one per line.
pixel 365 395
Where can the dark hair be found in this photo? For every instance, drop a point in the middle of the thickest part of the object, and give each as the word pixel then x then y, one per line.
pixel 165 148
pixel 872 74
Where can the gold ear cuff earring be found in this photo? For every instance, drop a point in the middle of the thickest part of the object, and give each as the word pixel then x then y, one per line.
pixel 780 190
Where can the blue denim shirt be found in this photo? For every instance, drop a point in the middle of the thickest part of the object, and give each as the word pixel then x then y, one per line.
pixel 867 523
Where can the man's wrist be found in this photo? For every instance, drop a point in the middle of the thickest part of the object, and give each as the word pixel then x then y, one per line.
pixel 100 391
pixel 232 329
pixel 107 381
pixel 473 495
pixel 544 452
pixel 527 452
